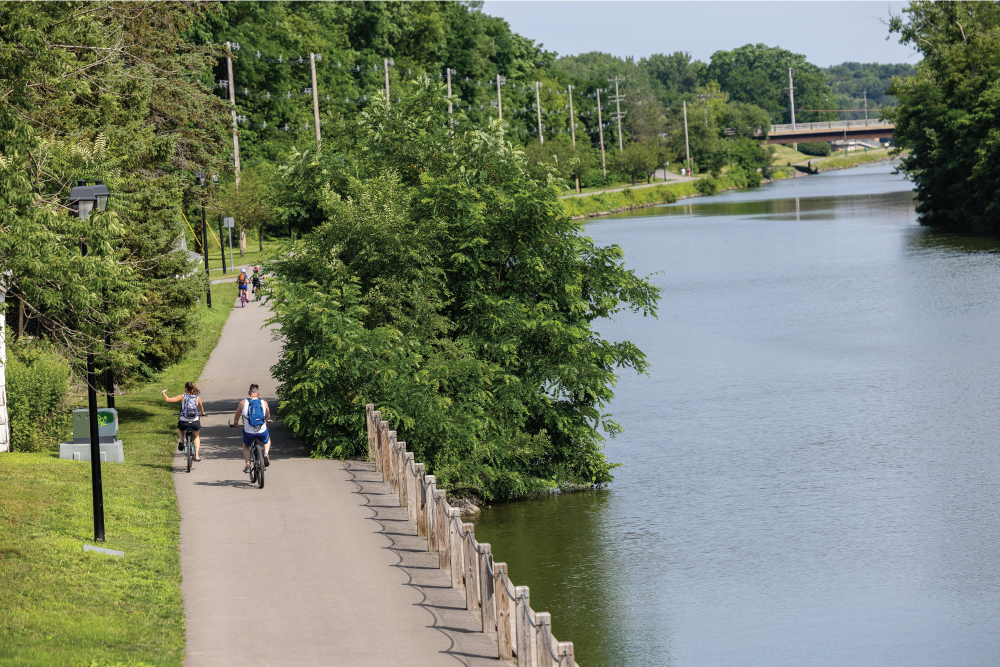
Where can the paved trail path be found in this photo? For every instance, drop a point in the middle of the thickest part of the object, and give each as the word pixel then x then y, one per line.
pixel 320 567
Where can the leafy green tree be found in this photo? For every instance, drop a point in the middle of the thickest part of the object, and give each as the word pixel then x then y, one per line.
pixel 758 74
pixel 676 72
pixel 452 291
pixel 253 204
pixel 947 112
pixel 639 160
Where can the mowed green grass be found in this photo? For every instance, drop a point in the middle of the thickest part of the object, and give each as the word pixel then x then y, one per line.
pixel 62 606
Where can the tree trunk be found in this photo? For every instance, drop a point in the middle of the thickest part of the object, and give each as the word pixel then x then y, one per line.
pixel 260 239
pixel 577 185
pixel 243 242
pixel 4 427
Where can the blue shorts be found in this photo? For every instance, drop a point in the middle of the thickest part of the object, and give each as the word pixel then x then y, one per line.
pixel 248 438
pixel 242 287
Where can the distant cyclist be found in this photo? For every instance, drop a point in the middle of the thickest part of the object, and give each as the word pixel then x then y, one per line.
pixel 255 279
pixel 242 282
pixel 191 408
pixel 256 414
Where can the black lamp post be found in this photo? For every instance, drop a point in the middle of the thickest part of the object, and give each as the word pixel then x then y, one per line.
pixel 200 179
pixel 222 247
pixel 102 194
pixel 83 200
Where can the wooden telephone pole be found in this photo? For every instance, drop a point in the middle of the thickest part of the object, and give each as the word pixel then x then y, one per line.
pixel 572 128
pixel 538 108
pixel 600 127
pixel 315 91
pixel 232 100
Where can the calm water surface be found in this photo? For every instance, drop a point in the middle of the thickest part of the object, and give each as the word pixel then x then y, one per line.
pixel 810 470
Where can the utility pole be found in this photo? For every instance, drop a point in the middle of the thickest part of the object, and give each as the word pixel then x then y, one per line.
pixel 232 100
pixel 385 66
pixel 687 146
pixel 618 114
pixel 704 98
pixel 315 89
pixel 499 101
pixel 791 102
pixel 600 128
pixel 572 128
pixel 866 106
pixel 538 108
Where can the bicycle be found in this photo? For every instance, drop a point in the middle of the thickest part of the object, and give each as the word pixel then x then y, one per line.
pixel 189 447
pixel 257 464
pixel 243 298
pixel 256 289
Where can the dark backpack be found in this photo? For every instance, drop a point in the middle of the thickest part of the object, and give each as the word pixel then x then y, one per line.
pixel 255 412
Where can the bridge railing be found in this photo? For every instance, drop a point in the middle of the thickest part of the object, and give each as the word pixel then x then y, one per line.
pixel 505 608
pixel 830 125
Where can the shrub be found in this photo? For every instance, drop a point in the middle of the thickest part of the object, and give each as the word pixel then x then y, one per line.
pixel 37 384
pixel 707 186
pixel 815 148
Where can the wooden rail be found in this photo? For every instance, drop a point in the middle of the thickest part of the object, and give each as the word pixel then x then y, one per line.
pixel 505 609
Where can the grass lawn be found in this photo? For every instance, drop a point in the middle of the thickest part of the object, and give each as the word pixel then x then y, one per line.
pixel 62 606
pixel 784 154
pixel 851 159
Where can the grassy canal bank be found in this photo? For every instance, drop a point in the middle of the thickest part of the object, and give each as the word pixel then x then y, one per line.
pixel 62 606
pixel 606 203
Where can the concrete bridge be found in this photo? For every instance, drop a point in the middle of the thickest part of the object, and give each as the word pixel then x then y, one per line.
pixel 833 130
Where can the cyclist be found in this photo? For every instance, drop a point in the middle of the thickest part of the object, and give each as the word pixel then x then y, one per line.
pixel 242 281
pixel 191 408
pixel 255 279
pixel 256 414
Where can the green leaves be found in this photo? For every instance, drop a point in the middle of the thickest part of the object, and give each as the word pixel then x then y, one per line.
pixel 451 291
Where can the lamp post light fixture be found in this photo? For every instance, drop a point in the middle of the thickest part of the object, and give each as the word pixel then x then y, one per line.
pixel 199 177
pixel 83 200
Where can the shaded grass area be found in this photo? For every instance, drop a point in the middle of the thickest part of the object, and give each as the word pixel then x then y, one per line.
pixel 62 606
pixel 629 198
pixel 783 154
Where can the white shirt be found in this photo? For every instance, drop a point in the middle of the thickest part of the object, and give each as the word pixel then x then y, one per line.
pixel 247 428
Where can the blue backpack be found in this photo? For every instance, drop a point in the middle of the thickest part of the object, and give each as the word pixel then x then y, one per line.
pixel 255 412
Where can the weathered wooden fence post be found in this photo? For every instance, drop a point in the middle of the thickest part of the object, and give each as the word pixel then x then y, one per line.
pixel 410 487
pixel 455 542
pixel 566 657
pixel 543 634
pixel 379 445
pixel 471 568
pixel 390 457
pixel 524 637
pixel 426 521
pixel 503 612
pixel 486 589
pixel 400 471
pixel 443 522
pixel 369 414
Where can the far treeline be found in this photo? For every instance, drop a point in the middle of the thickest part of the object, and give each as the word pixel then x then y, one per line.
pixel 434 270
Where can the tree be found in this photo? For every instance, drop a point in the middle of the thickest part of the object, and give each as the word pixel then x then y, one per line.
pixel 758 74
pixel 452 291
pixel 639 159
pixel 947 112
pixel 253 204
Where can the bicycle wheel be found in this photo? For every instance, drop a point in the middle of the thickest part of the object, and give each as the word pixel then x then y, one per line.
pixel 258 459
pixel 189 449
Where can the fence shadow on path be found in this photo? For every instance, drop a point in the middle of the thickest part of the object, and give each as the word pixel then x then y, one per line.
pixel 444 605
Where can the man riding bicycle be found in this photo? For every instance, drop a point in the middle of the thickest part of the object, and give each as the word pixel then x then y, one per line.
pixel 242 282
pixel 256 415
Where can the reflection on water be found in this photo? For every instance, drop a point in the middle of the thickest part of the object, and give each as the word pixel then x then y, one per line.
pixel 810 470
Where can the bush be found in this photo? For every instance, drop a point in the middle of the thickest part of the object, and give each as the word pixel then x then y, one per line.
pixel 815 148
pixel 37 384
pixel 707 186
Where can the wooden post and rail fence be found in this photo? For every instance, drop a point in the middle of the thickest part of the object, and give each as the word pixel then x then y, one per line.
pixel 505 608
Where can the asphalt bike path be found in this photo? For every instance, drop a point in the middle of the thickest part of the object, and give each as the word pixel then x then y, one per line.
pixel 321 566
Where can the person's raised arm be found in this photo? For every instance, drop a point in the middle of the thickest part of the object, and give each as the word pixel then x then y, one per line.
pixel 201 407
pixel 171 399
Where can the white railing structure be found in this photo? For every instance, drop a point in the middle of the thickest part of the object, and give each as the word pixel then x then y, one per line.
pixel 830 124
pixel 505 608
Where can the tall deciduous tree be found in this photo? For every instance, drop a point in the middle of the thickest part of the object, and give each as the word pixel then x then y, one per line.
pixel 947 113
pixel 758 74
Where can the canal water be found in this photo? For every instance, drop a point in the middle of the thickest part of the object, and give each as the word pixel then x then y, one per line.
pixel 810 470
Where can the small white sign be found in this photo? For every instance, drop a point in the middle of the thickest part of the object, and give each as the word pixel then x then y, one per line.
pixel 228 223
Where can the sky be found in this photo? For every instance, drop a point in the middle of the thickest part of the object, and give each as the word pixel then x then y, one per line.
pixel 827 33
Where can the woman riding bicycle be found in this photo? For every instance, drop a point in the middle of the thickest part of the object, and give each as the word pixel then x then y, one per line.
pixel 191 408
pixel 242 281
